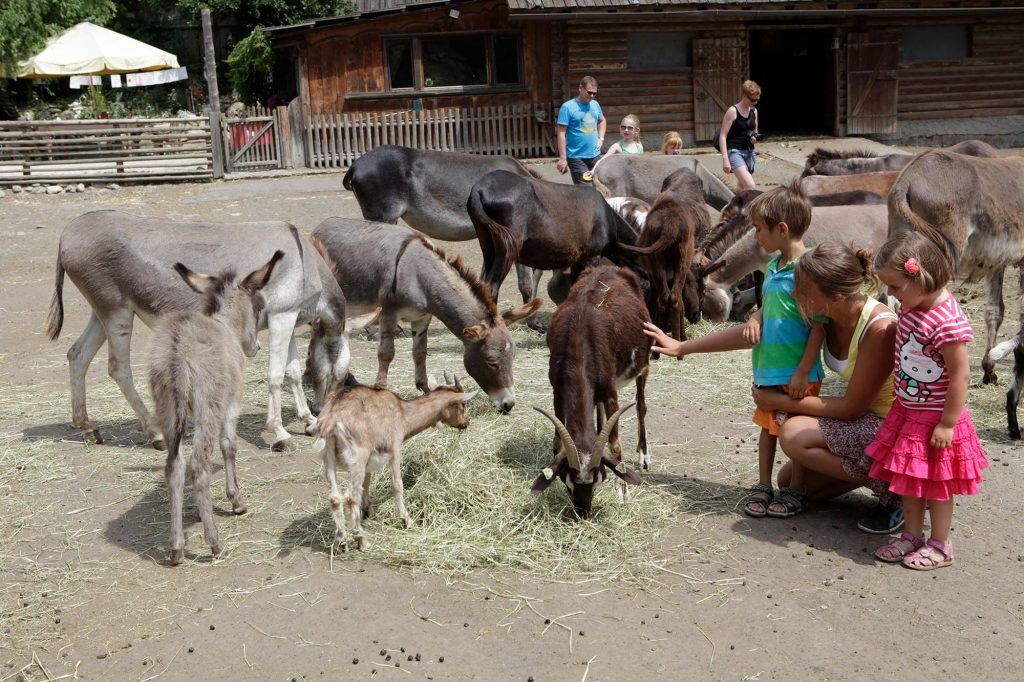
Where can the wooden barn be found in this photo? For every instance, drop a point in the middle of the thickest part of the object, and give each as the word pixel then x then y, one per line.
pixel 904 71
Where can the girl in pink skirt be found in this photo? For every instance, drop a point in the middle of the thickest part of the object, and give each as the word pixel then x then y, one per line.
pixel 926 448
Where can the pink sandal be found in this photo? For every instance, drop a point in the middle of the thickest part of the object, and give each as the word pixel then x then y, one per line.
pixel 933 555
pixel 900 548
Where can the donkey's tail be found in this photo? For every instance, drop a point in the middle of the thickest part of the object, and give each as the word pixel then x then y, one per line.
pixel 901 214
pixel 346 182
pixel 55 318
pixel 498 232
pixel 1006 347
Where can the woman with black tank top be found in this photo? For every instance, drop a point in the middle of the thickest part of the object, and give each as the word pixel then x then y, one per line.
pixel 738 135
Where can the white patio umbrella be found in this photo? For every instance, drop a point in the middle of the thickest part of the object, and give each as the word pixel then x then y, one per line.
pixel 86 49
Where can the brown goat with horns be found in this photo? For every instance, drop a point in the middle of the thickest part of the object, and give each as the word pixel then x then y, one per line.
pixel 597 345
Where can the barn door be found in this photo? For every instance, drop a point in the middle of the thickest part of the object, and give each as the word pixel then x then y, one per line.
pixel 718 68
pixel 871 82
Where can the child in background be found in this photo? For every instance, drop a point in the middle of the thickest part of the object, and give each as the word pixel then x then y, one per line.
pixel 786 347
pixel 629 144
pixel 672 143
pixel 926 448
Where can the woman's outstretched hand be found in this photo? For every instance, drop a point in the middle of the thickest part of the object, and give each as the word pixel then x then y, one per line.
pixel 663 343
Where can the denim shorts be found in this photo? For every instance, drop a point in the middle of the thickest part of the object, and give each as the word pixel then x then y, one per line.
pixel 743 157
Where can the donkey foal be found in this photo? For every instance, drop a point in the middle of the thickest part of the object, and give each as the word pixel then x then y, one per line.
pixel 197 364
pixel 362 429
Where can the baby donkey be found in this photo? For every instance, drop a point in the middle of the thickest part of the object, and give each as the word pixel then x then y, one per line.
pixel 197 365
pixel 362 429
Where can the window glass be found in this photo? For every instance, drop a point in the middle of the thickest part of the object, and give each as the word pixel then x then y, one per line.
pixel 400 63
pixel 506 60
pixel 454 61
pixel 660 50
pixel 935 42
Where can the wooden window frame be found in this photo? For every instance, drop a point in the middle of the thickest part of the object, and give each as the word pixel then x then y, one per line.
pixel 416 51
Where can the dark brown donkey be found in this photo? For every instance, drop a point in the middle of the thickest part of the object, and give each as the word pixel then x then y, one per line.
pixel 544 225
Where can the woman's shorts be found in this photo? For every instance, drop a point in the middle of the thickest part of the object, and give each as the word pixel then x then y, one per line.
pixel 743 157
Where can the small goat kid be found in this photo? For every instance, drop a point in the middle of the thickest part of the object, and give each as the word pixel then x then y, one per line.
pixel 362 429
pixel 197 365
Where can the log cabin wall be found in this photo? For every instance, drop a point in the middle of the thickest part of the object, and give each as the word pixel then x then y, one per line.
pixel 662 98
pixel 345 65
pixel 980 90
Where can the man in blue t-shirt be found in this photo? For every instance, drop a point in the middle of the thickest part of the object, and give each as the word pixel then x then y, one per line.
pixel 581 126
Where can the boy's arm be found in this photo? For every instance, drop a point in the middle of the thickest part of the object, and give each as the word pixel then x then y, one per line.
pixel 727 339
pixel 812 351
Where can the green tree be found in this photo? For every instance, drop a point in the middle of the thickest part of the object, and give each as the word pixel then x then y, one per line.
pixel 252 62
pixel 25 25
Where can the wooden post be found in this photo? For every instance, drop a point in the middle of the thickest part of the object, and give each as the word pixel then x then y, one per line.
pixel 210 67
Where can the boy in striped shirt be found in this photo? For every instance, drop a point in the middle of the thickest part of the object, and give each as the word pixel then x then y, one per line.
pixel 786 348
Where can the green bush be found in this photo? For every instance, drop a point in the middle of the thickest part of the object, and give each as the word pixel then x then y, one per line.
pixel 251 67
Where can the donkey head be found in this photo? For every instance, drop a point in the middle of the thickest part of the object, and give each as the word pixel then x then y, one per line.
pixel 240 305
pixel 709 296
pixel 582 471
pixel 489 352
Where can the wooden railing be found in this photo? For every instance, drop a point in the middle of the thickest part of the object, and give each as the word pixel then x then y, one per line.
pixel 336 140
pixel 121 150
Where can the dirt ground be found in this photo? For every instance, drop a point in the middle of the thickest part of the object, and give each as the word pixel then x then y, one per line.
pixel 84 592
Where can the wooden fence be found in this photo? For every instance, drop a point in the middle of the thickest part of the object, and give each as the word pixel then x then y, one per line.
pixel 336 140
pixel 121 150
pixel 253 140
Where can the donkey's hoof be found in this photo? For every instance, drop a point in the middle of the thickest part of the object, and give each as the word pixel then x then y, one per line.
pixel 312 429
pixel 408 522
pixel 645 461
pixel 218 551
pixel 93 435
pixel 341 542
pixel 989 378
pixel 175 557
pixel 238 506
pixel 361 543
pixel 159 444
pixel 283 445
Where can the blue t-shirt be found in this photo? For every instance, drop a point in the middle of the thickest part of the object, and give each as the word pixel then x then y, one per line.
pixel 580 121
pixel 783 331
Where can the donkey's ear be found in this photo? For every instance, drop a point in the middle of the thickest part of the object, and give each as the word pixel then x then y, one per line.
pixel 199 283
pixel 476 332
pixel 522 312
pixel 258 279
pixel 708 269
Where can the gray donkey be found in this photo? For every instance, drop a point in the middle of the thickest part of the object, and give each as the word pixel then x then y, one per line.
pixel 122 264
pixel 399 270
pixel 197 365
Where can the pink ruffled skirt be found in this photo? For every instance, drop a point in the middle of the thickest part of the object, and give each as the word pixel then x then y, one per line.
pixel 904 458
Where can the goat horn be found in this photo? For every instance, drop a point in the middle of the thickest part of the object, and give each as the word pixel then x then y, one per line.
pixel 602 438
pixel 447 378
pixel 458 386
pixel 571 452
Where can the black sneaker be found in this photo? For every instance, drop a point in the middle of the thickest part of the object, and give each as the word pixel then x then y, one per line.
pixel 882 520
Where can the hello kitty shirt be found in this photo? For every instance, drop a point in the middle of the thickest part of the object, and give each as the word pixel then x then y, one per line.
pixel 921 379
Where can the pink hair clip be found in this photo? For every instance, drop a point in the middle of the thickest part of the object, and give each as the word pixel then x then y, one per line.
pixel 911 266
